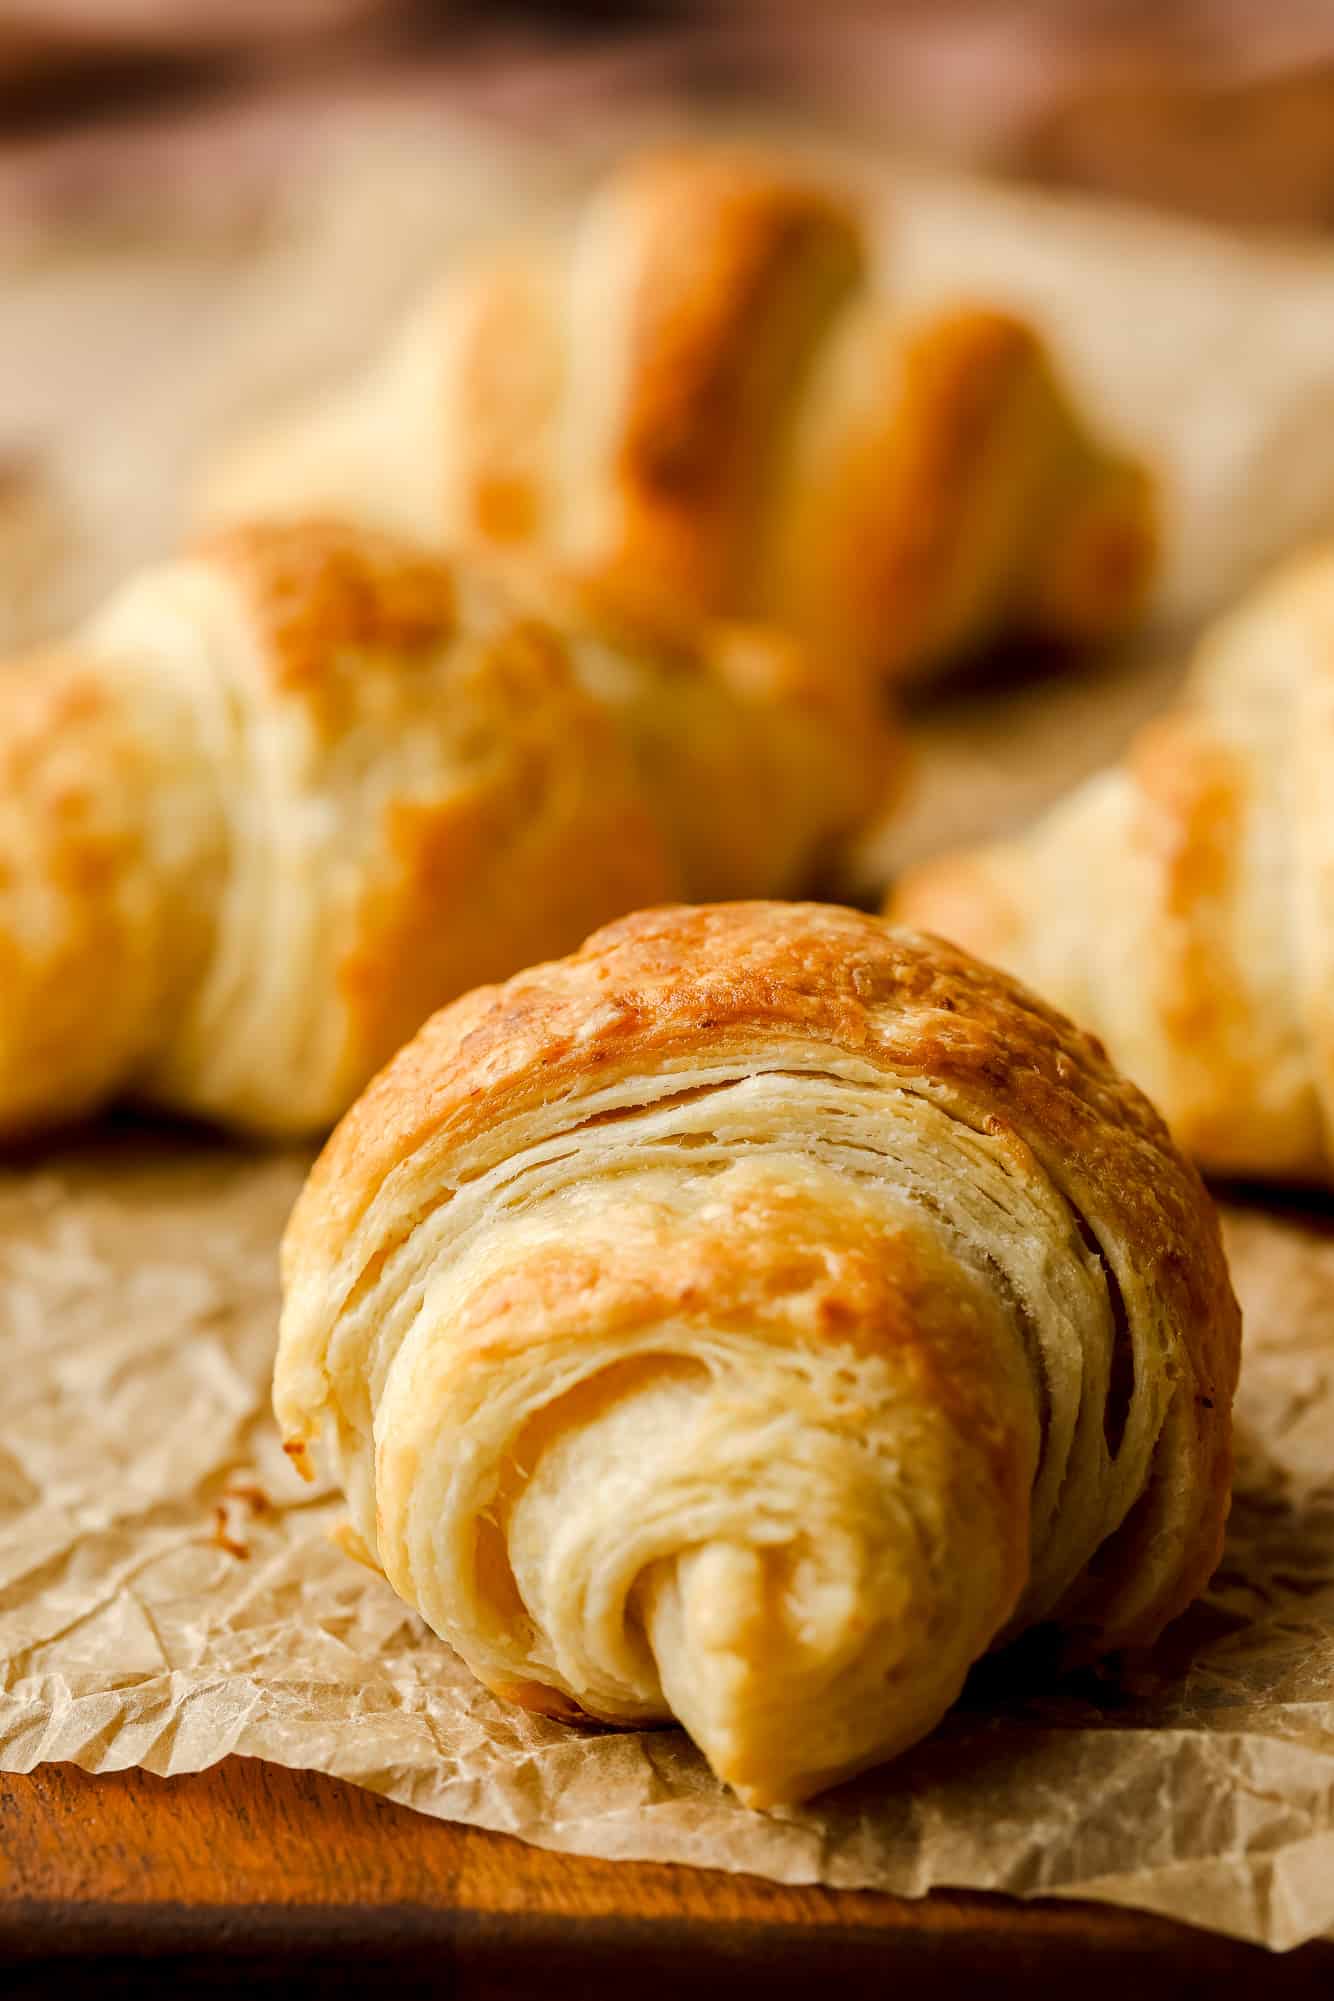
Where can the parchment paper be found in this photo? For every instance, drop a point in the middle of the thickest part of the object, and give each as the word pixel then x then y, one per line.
pixel 169 1593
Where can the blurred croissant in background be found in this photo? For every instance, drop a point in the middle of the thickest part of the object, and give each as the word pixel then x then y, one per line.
pixel 698 401
pixel 1182 904
pixel 751 1320
pixel 291 792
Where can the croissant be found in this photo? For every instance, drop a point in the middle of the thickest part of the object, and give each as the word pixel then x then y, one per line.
pixel 290 793
pixel 1182 904
pixel 751 1320
pixel 698 400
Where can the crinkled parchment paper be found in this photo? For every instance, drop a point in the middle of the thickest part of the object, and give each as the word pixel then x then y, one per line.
pixel 169 1593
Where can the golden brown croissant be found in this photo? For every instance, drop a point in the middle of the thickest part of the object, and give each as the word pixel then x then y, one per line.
pixel 751 1319
pixel 289 794
pixel 1182 904
pixel 699 401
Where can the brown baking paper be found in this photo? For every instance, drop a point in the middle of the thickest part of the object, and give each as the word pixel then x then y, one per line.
pixel 169 1593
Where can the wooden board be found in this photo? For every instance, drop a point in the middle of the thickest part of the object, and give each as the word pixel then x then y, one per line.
pixel 274 1880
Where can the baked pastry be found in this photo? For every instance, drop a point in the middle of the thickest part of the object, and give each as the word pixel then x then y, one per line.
pixel 751 1320
pixel 1181 905
pixel 698 401
pixel 288 794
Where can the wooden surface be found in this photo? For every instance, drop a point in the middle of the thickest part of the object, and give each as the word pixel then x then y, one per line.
pixel 252 1875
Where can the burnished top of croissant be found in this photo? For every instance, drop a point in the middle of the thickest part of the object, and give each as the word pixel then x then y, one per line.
pixel 651 985
pixel 701 282
pixel 314 588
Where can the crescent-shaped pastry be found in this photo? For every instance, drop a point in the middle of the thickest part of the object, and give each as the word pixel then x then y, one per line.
pixel 287 795
pixel 1181 904
pixel 751 1320
pixel 698 400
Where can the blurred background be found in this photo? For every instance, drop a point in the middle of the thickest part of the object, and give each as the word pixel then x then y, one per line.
pixel 1224 108
pixel 208 205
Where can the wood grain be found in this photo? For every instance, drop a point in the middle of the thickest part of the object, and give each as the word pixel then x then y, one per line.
pixel 253 1874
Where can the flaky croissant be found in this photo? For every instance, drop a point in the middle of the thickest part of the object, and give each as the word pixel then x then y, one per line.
pixel 1181 904
pixel 698 401
pixel 751 1319
pixel 289 794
